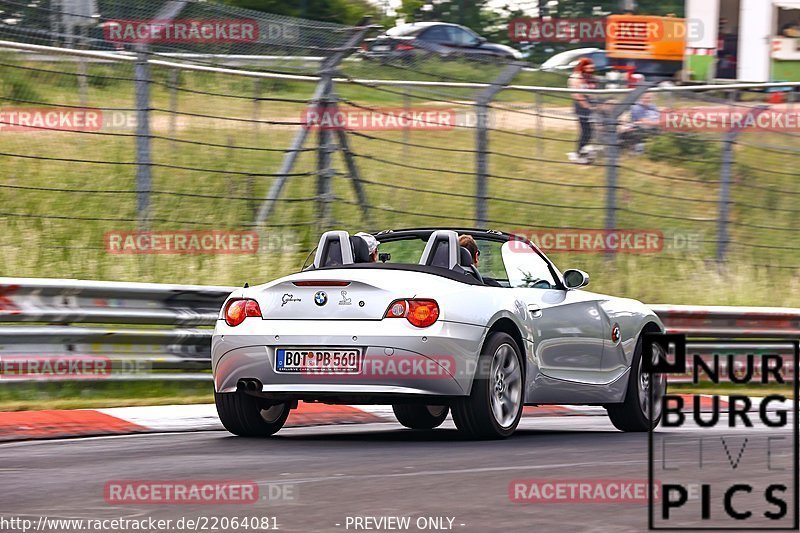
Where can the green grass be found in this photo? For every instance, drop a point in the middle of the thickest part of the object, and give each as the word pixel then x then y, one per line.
pixel 75 395
pixel 727 389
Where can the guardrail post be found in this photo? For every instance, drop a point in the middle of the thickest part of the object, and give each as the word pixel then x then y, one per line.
pixel 143 154
pixel 482 139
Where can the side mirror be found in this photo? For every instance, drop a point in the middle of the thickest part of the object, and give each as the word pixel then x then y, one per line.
pixel 575 279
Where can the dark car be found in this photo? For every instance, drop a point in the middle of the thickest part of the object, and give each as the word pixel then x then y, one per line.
pixel 443 39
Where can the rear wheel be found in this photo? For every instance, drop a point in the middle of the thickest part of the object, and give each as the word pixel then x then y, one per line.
pixel 246 416
pixel 416 416
pixel 494 406
pixel 634 414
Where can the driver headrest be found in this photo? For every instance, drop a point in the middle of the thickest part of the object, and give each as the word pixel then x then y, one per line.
pixel 464 257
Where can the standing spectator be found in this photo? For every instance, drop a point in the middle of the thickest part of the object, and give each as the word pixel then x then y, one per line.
pixel 583 78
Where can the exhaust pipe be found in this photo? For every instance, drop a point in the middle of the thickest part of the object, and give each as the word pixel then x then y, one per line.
pixel 249 385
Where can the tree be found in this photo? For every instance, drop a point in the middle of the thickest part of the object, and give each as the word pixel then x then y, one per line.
pixel 347 12
pixel 470 13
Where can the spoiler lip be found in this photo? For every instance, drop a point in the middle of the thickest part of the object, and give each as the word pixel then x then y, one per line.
pixel 320 283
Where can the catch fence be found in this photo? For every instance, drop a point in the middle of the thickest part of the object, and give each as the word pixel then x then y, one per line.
pixel 185 139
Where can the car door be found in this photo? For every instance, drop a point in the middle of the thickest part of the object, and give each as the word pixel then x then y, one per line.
pixel 567 326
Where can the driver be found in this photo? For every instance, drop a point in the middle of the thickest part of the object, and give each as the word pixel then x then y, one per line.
pixel 468 242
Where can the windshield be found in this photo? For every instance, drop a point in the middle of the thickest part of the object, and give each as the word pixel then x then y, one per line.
pixel 525 267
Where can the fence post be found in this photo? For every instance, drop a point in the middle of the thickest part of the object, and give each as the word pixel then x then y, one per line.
pixel 724 194
pixel 322 98
pixel 726 172
pixel 539 124
pixel 143 155
pixel 172 83
pixel 325 172
pixel 610 122
pixel 407 110
pixel 257 104
pixel 482 139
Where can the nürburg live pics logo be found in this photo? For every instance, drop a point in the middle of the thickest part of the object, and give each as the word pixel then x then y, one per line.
pixel 726 461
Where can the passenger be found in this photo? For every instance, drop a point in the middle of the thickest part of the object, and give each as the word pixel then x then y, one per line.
pixel 645 123
pixel 372 245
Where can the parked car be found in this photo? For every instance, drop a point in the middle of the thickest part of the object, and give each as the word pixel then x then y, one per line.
pixel 427 332
pixel 566 61
pixel 445 40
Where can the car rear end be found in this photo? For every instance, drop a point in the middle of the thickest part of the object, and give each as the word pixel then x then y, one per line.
pixel 397 42
pixel 346 336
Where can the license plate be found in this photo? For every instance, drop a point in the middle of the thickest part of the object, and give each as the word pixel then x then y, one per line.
pixel 318 360
pixel 380 48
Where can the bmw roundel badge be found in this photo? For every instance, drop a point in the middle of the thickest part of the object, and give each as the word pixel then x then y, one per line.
pixel 320 298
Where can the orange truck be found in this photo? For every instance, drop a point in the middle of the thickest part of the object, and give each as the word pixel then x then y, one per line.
pixel 648 45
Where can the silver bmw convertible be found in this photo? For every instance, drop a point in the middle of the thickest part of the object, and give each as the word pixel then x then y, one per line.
pixel 432 328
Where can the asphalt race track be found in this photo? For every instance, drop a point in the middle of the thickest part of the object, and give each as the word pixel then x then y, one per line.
pixel 378 470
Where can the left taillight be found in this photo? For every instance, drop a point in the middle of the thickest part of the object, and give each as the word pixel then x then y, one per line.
pixel 237 310
pixel 419 312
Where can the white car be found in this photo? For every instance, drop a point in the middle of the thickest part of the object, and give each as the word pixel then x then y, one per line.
pixel 426 331
pixel 566 61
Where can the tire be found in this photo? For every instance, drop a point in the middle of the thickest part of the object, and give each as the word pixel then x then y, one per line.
pixel 417 416
pixel 244 415
pixel 494 407
pixel 632 414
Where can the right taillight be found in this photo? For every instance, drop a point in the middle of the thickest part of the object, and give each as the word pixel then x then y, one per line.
pixel 402 47
pixel 237 310
pixel 419 312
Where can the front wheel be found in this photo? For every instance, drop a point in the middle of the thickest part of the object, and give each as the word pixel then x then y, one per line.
pixel 416 416
pixel 634 414
pixel 246 416
pixel 494 407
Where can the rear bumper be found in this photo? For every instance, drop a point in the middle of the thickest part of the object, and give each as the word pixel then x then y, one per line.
pixel 398 359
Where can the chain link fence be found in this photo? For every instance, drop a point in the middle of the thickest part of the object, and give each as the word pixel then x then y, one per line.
pixel 120 143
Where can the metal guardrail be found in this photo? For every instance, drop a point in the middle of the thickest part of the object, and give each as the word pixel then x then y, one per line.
pixel 162 332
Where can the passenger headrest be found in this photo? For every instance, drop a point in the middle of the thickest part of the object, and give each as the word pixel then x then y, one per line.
pixel 334 249
pixel 360 249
